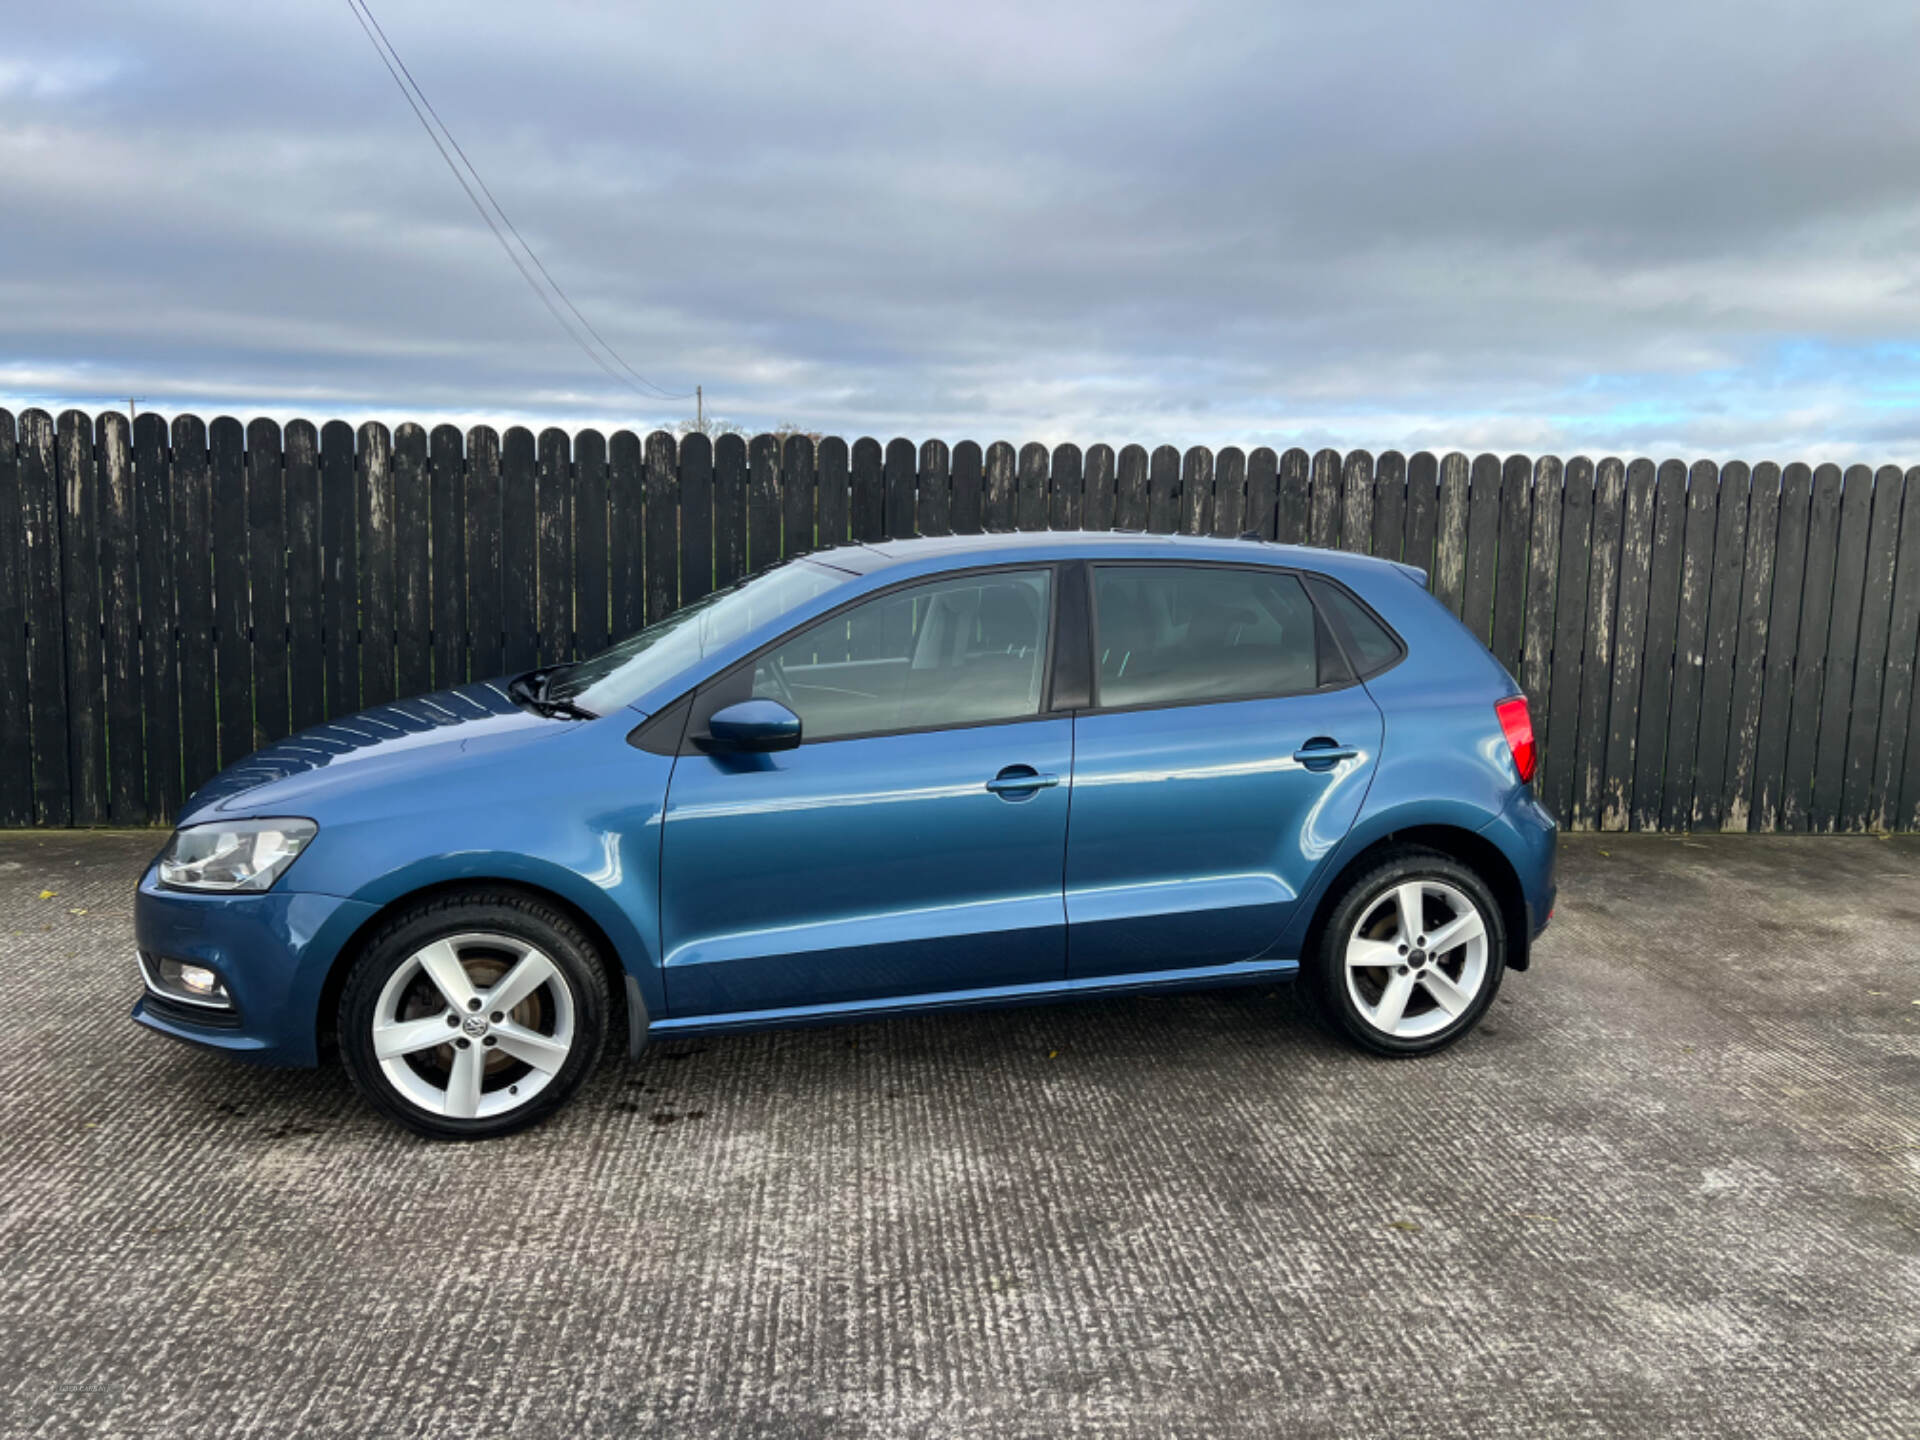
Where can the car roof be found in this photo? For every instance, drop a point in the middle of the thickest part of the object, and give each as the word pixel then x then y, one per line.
pixel 952 551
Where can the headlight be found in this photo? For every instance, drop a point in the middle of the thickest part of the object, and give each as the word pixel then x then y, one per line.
pixel 233 854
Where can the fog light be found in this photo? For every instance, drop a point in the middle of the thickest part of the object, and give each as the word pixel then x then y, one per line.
pixel 183 980
pixel 200 980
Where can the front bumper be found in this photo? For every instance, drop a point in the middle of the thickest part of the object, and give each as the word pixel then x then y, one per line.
pixel 273 952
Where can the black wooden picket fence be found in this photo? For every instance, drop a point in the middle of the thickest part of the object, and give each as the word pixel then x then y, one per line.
pixel 1705 647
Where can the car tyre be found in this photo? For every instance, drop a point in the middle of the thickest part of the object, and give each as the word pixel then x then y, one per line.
pixel 473 1014
pixel 1411 955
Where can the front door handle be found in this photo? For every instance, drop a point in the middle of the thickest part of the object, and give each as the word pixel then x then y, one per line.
pixel 1018 780
pixel 1321 753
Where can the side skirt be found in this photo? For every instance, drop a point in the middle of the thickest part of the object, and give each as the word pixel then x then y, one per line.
pixel 1242 972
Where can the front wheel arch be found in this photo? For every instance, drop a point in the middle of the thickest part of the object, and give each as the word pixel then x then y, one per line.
pixel 622 995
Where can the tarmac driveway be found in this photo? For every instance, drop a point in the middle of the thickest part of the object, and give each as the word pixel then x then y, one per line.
pixel 1671 1188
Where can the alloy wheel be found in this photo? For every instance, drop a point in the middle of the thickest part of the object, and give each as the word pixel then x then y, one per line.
pixel 472 1026
pixel 1417 959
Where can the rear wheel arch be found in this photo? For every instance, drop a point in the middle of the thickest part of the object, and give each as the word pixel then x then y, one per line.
pixel 1475 851
pixel 621 994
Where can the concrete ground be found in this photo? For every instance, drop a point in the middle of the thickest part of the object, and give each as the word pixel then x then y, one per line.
pixel 1671 1188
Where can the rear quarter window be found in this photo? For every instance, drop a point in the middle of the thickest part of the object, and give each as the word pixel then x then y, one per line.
pixel 1371 644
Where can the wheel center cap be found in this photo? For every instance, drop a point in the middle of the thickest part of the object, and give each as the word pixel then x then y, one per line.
pixel 1418 957
pixel 475 1025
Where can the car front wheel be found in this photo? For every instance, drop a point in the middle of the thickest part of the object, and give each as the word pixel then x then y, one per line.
pixel 473 1015
pixel 1411 956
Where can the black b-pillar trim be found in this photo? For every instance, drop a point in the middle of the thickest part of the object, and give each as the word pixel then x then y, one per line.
pixel 1073 645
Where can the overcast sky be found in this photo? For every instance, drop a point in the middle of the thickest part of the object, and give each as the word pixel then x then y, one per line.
pixel 1673 227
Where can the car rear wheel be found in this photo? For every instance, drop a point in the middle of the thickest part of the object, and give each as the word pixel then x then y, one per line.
pixel 1411 956
pixel 473 1015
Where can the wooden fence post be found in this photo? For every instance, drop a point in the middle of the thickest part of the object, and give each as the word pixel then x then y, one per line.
pixel 799 527
pixel 16 735
pixel 80 592
pixel 867 503
pixel 696 517
pixel 1097 508
pixel 1066 502
pixel 1196 491
pixel 833 490
pixel 1390 505
pixel 1852 559
pixel 663 518
pixel 157 547
pixel 1750 648
pixel 1356 502
pixel 1597 652
pixel 1230 492
pixel 1323 500
pixel 898 489
pixel 412 561
pixel 485 638
pixel 1483 541
pixel 1810 649
pixel 1163 490
pixel 1130 490
pixel 266 551
pixel 1891 769
pixel 39 481
pixel 1859 802
pixel 519 552
pixel 120 602
pixel 446 537
pixel 934 514
pixel 306 657
pixel 553 546
pixel 1629 641
pixel 1720 648
pixel 592 541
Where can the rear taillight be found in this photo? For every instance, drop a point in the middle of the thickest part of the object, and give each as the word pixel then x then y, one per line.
pixel 1517 723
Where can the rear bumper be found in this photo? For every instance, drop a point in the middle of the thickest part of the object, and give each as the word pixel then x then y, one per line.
pixel 1529 837
pixel 272 951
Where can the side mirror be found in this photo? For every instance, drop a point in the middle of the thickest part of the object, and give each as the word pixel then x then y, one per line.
pixel 753 727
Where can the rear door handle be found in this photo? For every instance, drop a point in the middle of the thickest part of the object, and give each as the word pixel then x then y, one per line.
pixel 1021 780
pixel 1322 754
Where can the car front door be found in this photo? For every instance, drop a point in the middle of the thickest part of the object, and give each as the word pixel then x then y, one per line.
pixel 1224 758
pixel 912 843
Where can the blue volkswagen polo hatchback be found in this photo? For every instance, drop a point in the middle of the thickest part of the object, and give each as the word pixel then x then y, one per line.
pixel 902 776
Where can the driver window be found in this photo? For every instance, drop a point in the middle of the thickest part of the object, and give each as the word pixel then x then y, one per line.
pixel 952 652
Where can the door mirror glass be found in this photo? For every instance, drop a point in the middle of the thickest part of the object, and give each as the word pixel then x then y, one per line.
pixel 753 727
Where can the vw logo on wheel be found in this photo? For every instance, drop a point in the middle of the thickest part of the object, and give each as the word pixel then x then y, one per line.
pixel 475 1025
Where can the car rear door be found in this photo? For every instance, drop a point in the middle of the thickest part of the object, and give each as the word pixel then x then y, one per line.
pixel 1224 757
pixel 912 844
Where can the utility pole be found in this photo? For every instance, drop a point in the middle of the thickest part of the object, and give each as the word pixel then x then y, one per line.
pixel 699 411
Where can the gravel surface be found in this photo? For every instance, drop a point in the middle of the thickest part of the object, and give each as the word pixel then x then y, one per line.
pixel 1670 1188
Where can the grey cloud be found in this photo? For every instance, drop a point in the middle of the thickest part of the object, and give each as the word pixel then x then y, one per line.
pixel 1490 224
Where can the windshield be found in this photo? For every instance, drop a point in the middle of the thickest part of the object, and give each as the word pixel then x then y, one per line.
pixel 617 677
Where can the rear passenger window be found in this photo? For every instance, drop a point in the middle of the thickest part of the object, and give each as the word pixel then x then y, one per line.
pixel 1169 633
pixel 1371 644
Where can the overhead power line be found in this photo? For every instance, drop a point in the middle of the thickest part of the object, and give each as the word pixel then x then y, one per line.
pixel 416 98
